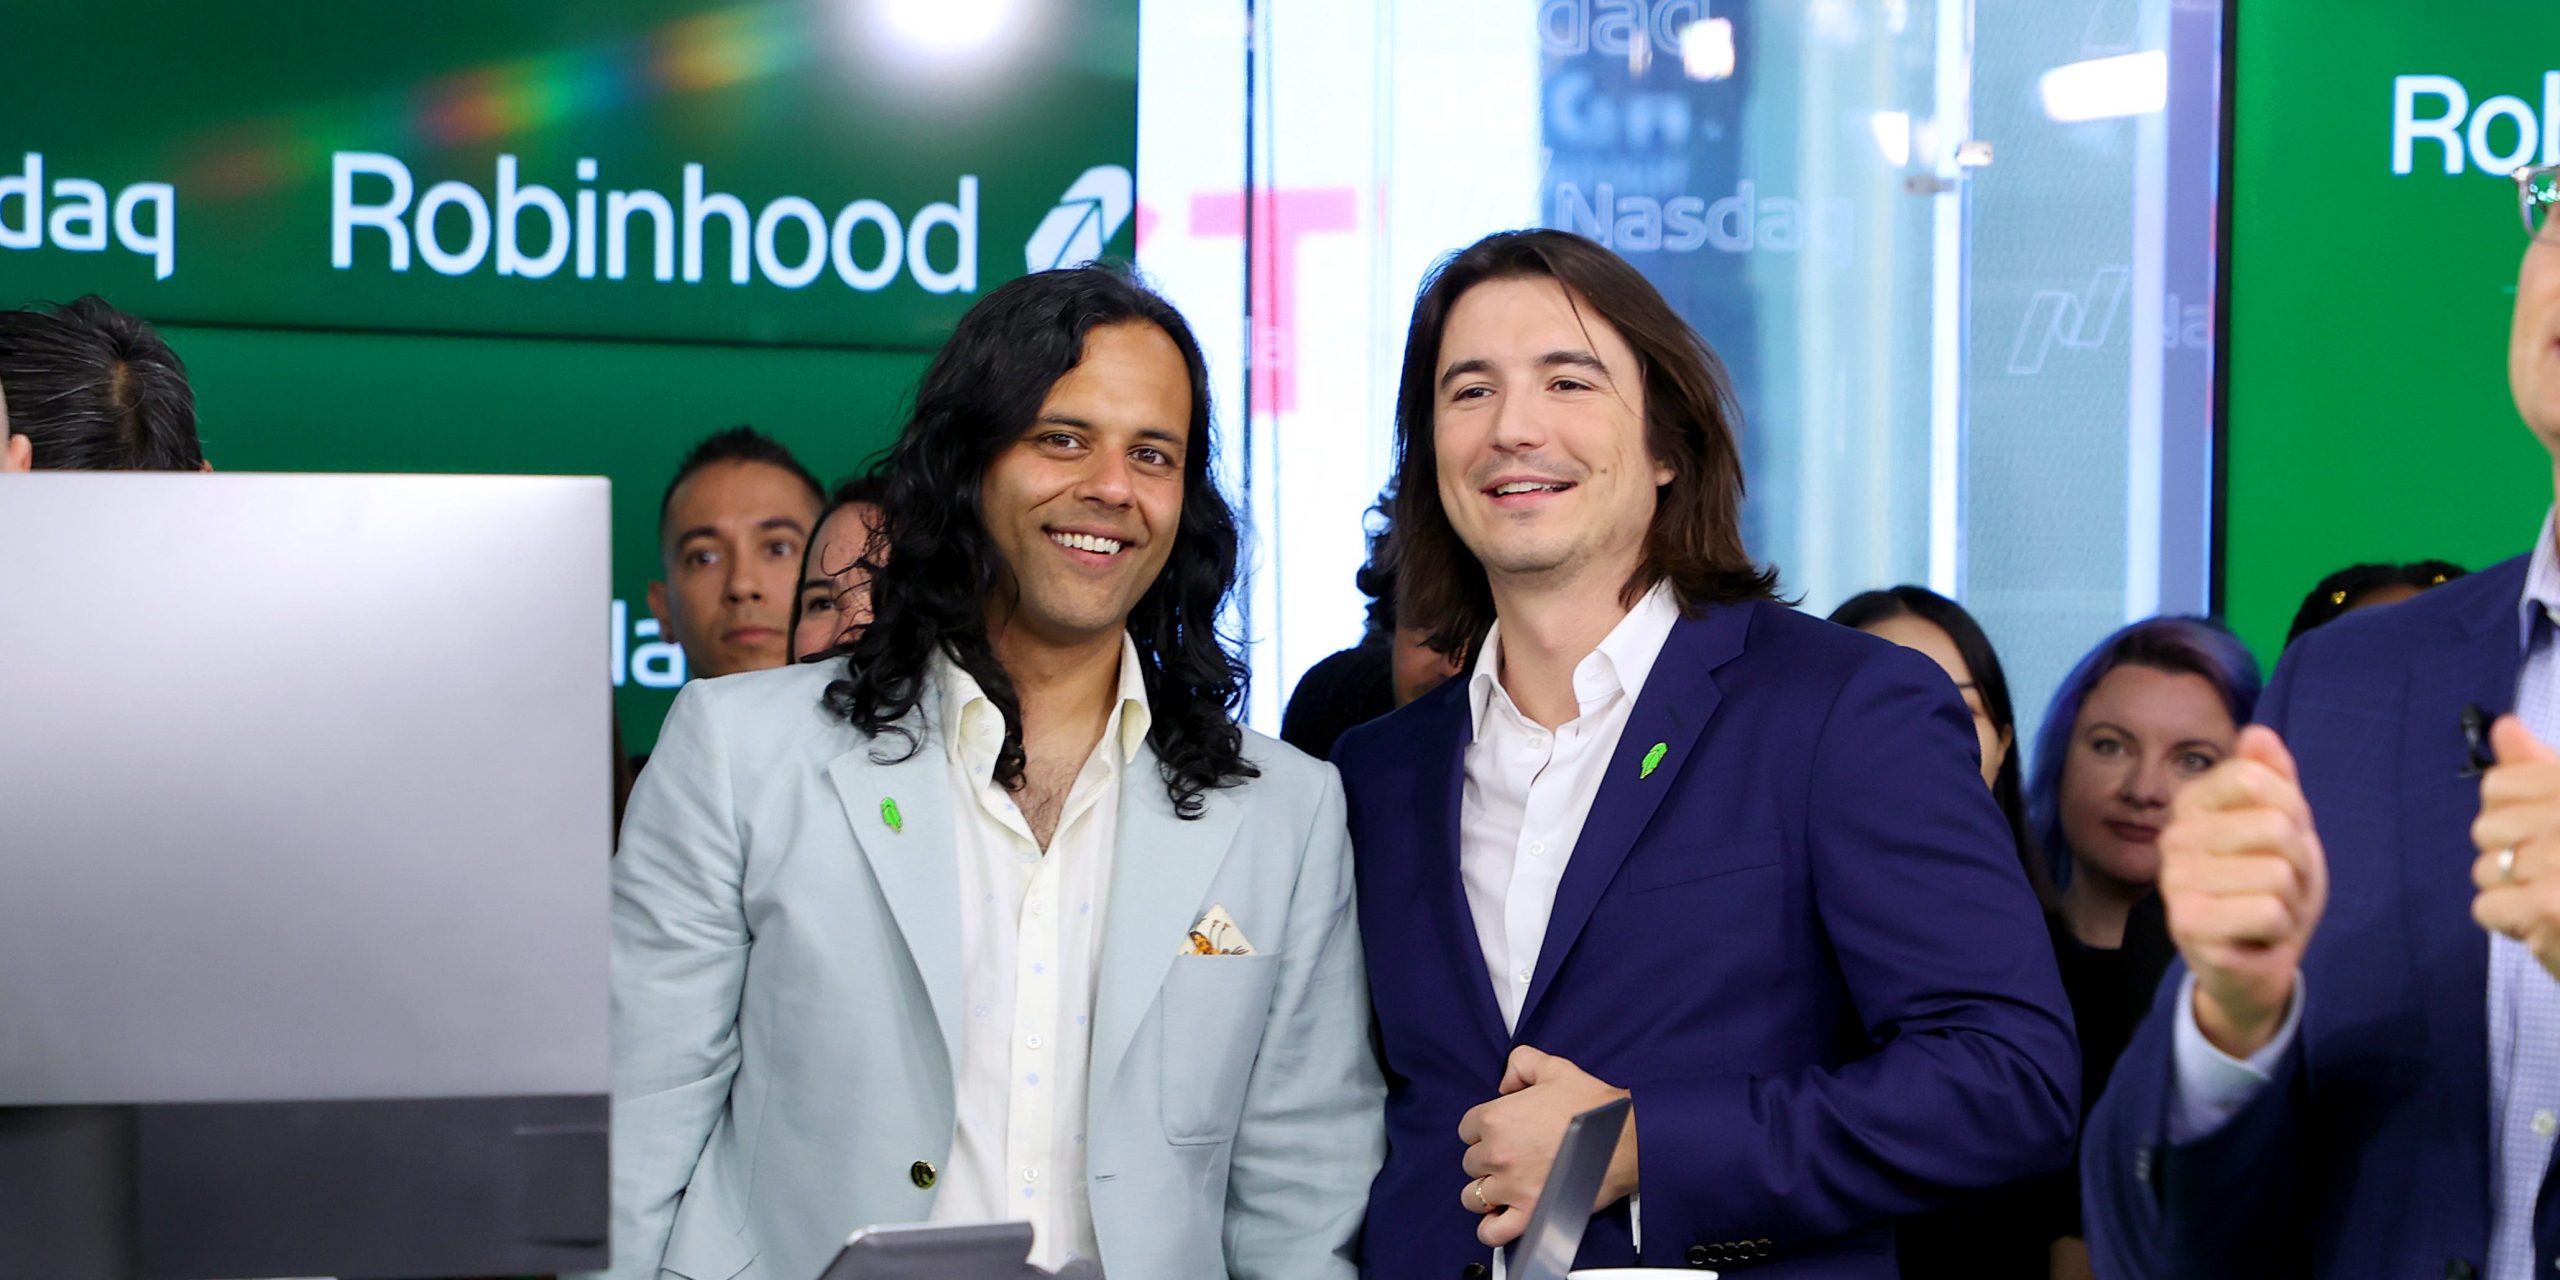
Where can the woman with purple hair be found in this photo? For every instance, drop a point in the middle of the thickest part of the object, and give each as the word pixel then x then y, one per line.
pixel 2147 711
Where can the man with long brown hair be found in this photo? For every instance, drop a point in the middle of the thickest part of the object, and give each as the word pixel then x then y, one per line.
pixel 1668 839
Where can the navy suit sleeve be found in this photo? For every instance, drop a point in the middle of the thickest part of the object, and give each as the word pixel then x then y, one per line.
pixel 1973 1082
pixel 2225 1204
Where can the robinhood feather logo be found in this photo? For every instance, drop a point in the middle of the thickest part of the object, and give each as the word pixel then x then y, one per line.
pixel 1086 218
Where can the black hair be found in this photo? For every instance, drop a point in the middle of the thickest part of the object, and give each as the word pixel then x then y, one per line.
pixel 95 389
pixel 1990 683
pixel 1376 577
pixel 863 488
pixel 2344 590
pixel 940 569
pixel 740 443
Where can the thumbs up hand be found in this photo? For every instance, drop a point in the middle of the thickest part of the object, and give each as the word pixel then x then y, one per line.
pixel 2244 881
pixel 2518 835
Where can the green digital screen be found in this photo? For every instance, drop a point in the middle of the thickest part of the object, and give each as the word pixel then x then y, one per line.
pixel 568 237
pixel 2371 268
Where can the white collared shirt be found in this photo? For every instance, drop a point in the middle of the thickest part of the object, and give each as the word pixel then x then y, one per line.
pixel 1529 790
pixel 1031 929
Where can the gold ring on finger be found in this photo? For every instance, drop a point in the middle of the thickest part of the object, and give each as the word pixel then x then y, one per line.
pixel 2507 864
pixel 1476 1189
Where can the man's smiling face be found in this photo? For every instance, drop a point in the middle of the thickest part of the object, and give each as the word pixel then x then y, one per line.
pixel 1084 507
pixel 1538 434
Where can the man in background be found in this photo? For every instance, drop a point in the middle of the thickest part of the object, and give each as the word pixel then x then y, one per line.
pixel 90 388
pixel 730 533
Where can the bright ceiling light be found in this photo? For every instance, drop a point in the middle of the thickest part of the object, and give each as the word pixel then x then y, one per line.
pixel 2135 84
pixel 1893 136
pixel 948 28
pixel 1706 49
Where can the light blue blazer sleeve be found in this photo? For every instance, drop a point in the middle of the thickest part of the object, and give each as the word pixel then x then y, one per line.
pixel 679 963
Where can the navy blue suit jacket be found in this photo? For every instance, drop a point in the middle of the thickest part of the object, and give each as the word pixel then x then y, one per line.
pixel 1804 942
pixel 2368 1153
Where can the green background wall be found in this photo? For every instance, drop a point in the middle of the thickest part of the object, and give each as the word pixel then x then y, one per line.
pixel 2369 417
pixel 300 365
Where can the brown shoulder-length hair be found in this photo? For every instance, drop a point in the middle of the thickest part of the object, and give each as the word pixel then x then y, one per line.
pixel 1689 422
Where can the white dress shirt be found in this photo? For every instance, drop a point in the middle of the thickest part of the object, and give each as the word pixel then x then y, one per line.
pixel 1529 791
pixel 1031 946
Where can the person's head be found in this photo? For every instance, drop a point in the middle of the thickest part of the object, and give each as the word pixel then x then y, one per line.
pixel 2533 335
pixel 2147 711
pixel 730 531
pixel 91 388
pixel 1557 420
pixel 1921 619
pixel 1052 493
pixel 1414 667
pixel 2365 586
pixel 834 601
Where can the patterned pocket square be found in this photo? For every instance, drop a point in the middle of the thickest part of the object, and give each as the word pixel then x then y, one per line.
pixel 1216 935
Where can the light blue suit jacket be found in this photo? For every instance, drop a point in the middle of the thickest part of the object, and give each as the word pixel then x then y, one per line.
pixel 787 987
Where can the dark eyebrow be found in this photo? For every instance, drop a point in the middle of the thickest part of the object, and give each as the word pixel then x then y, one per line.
pixel 762 526
pixel 1062 420
pixel 1571 358
pixel 1577 359
pixel 1463 368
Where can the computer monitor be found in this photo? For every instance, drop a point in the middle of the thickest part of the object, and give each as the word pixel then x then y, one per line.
pixel 305 788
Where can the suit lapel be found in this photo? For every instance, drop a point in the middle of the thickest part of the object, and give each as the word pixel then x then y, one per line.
pixel 914 862
pixel 1437 803
pixel 1679 697
pixel 1161 869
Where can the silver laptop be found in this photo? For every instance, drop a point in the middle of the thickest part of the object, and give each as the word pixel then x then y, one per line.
pixel 304 787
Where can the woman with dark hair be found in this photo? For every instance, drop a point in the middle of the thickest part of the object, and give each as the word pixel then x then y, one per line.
pixel 897 932
pixel 833 603
pixel 2364 586
pixel 2147 711
pixel 1921 619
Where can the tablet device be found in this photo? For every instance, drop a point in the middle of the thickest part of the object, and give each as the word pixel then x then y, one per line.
pixel 1546 1249
pixel 960 1251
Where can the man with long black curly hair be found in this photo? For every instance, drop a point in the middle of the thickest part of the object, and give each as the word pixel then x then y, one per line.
pixel 1001 915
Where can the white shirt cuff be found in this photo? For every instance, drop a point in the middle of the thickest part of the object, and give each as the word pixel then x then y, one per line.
pixel 2209 1086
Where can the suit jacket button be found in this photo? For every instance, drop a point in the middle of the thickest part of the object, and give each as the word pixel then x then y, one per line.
pixel 1700 1256
pixel 922 1173
pixel 2458 1269
pixel 1475 1271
